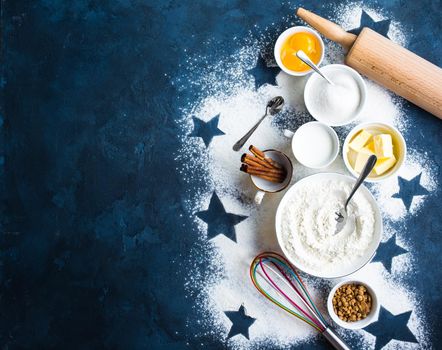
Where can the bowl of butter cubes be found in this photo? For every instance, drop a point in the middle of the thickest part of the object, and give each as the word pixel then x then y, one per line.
pixel 380 139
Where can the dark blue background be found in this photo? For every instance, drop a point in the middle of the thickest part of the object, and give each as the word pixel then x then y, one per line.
pixel 92 241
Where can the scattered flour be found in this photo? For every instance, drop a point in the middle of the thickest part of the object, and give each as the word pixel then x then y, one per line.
pixel 228 89
pixel 349 14
pixel 415 164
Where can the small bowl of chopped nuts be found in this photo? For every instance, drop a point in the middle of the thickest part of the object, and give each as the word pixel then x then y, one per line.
pixel 353 304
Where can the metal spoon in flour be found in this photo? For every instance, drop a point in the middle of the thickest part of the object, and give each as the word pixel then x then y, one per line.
pixel 272 108
pixel 304 58
pixel 342 215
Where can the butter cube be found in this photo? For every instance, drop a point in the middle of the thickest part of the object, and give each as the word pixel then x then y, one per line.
pixel 383 146
pixel 360 140
pixel 384 164
pixel 351 156
pixel 361 160
pixel 369 148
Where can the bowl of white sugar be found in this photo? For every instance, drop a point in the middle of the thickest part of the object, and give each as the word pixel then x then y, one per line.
pixel 305 226
pixel 338 103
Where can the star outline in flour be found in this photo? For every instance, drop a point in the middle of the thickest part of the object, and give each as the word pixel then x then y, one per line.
pixel 387 251
pixel 408 189
pixel 382 27
pixel 391 327
pixel 241 322
pixel 263 74
pixel 218 220
pixel 206 130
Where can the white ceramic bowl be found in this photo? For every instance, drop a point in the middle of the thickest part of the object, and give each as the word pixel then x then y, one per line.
pixel 283 37
pixel 302 142
pixel 340 271
pixel 308 93
pixel 371 317
pixel 399 148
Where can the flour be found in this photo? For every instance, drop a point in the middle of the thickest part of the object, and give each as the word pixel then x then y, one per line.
pixel 227 88
pixel 308 227
pixel 348 15
pixel 415 163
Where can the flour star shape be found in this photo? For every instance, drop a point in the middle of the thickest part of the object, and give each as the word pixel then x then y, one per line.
pixel 389 327
pixel 410 188
pixel 387 251
pixel 263 74
pixel 381 27
pixel 240 322
pixel 218 220
pixel 206 130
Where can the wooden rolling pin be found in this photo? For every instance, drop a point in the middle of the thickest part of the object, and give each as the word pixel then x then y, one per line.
pixel 385 62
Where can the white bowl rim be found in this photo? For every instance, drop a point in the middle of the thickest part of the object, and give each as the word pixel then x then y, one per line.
pixel 356 129
pixel 378 228
pixel 336 143
pixel 283 36
pixel 357 324
pixel 361 84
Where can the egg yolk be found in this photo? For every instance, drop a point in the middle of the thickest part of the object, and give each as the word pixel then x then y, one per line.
pixel 304 41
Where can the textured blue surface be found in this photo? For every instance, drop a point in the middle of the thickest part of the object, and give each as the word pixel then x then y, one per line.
pixel 92 240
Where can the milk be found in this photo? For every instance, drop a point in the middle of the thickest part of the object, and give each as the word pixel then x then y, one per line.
pixel 315 145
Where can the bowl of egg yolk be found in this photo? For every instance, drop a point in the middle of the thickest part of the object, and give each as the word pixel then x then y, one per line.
pixel 292 40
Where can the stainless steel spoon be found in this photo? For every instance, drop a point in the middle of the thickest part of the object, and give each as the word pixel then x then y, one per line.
pixel 342 215
pixel 304 58
pixel 272 108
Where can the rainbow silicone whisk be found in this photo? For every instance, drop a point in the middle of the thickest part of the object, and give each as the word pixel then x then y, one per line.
pixel 276 279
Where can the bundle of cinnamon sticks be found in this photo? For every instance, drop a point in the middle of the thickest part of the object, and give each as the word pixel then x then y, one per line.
pixel 264 167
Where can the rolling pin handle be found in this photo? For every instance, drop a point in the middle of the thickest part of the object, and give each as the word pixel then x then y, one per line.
pixel 327 28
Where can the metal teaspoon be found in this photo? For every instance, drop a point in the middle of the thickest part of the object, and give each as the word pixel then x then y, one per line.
pixel 304 58
pixel 341 215
pixel 273 107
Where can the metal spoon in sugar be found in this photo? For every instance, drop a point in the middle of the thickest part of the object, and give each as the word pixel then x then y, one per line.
pixel 304 58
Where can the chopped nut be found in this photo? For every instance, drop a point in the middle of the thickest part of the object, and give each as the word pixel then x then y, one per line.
pixel 352 302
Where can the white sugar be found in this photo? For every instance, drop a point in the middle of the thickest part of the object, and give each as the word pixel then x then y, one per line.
pixel 337 103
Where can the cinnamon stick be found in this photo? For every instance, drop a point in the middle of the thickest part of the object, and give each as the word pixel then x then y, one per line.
pixel 257 153
pixel 273 163
pixel 261 155
pixel 271 179
pixel 266 170
pixel 280 177
pixel 255 161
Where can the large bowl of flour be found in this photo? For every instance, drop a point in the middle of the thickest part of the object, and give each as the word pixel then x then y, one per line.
pixel 305 226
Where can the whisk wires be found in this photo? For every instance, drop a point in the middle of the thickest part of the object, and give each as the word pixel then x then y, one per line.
pixel 263 265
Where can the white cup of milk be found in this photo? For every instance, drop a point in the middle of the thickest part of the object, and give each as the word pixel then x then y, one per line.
pixel 264 186
pixel 314 144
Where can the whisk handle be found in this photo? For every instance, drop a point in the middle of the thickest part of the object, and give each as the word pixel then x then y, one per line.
pixel 335 340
